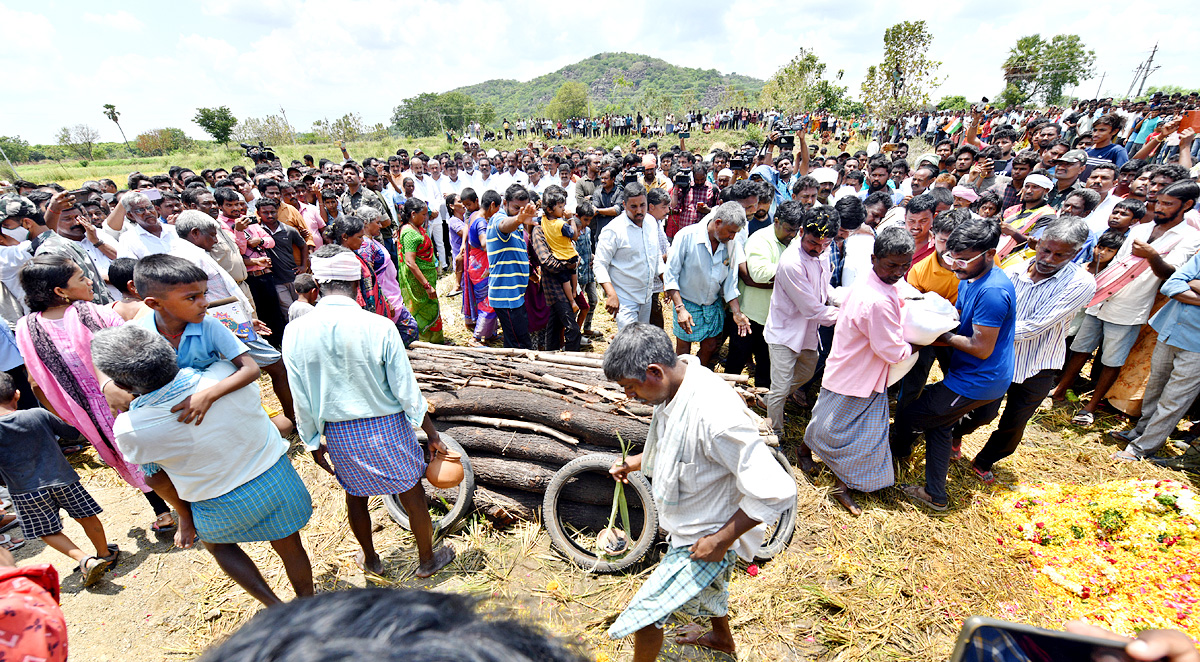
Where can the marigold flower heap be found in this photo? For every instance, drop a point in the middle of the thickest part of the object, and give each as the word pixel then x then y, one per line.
pixel 1122 554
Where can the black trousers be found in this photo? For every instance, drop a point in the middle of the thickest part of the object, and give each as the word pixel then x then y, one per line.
pixel 266 304
pixel 21 382
pixel 913 383
pixel 935 413
pixel 562 319
pixel 1023 401
pixel 514 322
pixel 742 348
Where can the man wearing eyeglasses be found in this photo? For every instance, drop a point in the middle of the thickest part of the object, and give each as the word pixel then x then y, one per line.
pixel 981 365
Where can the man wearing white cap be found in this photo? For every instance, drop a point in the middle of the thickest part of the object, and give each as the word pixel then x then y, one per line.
pixel 827 179
pixel 1022 220
pixel 353 384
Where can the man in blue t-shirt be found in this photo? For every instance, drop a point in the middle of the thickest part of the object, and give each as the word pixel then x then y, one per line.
pixel 508 262
pixel 981 365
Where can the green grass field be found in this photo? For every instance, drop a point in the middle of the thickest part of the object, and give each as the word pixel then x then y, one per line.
pixel 71 174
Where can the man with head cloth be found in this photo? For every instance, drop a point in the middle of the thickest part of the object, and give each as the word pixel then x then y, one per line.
pixel 352 383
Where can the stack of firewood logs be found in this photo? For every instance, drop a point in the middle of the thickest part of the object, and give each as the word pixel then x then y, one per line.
pixel 522 414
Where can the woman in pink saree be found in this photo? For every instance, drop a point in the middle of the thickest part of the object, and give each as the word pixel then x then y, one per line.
pixel 55 339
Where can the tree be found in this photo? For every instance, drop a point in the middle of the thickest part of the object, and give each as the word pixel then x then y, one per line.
pixel 348 127
pixel 216 122
pixel 956 102
pixel 17 149
pixel 271 129
pixel 1040 69
pixel 110 111
pixel 800 86
pixel 79 140
pixel 571 100
pixel 905 78
pixel 429 114
pixel 160 142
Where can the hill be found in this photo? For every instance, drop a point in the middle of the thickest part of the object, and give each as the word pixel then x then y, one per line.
pixel 619 81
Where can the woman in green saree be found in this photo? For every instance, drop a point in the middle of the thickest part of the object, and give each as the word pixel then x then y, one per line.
pixel 418 273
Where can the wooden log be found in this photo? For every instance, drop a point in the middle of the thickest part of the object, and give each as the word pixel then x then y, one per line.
pixel 515 444
pixel 576 420
pixel 489 421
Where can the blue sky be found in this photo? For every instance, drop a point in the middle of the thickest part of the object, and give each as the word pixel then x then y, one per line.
pixel 158 62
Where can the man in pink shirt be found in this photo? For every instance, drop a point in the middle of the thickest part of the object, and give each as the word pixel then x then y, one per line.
pixel 798 307
pixel 849 427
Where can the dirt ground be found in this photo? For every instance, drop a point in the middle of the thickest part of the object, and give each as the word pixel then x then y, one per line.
pixel 893 584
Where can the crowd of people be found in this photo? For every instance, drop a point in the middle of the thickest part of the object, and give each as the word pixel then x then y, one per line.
pixel 140 319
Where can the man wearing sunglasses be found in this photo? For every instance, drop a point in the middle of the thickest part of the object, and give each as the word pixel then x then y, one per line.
pixel 981 365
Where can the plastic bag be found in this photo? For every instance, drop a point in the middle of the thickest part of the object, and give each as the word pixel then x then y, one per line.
pixel 926 318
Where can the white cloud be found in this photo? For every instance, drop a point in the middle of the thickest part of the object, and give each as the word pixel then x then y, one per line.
pixel 325 58
pixel 121 20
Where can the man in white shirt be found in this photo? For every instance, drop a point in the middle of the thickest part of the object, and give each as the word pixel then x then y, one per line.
pixel 628 260
pixel 147 235
pixel 1152 252
pixel 435 197
pixel 1103 179
pixel 716 485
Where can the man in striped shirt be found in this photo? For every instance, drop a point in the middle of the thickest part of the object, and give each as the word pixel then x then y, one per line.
pixel 1050 289
pixel 508 261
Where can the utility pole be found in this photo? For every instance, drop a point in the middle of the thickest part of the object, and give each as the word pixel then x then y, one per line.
pixel 1136 74
pixel 1101 85
pixel 1148 69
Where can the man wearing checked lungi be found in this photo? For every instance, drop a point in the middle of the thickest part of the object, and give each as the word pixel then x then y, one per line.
pixel 228 477
pixel 352 382
pixel 701 276
pixel 714 480
pixel 849 426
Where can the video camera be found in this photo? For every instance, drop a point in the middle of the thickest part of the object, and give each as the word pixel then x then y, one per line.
pixel 632 175
pixel 787 138
pixel 258 153
pixel 682 178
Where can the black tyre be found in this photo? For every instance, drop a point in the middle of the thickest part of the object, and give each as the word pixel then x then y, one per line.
pixel 581 549
pixel 460 507
pixel 779 534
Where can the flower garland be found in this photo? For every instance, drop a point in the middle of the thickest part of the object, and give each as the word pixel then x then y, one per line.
pixel 1122 554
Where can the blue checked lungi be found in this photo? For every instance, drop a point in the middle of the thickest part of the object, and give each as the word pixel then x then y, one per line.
pixel 375 456
pixel 850 435
pixel 39 510
pixel 272 506
pixel 699 589
pixel 707 321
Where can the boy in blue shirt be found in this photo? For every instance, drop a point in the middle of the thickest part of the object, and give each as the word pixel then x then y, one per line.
pixel 175 290
pixel 981 366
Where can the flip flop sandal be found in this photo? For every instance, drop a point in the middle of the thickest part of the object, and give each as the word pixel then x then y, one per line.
pixel 1124 456
pixel 1124 436
pixel 913 492
pixel 163 530
pixel 12 545
pixel 69 450
pixel 92 570
pixel 955 451
pixel 1083 419
pixel 16 521
pixel 985 477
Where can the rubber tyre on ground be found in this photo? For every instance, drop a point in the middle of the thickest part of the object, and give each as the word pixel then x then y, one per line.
pixel 781 534
pixel 586 558
pixel 463 504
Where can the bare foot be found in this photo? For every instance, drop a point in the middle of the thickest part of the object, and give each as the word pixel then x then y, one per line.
pixel 842 496
pixel 805 460
pixel 694 635
pixel 441 558
pixel 372 567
